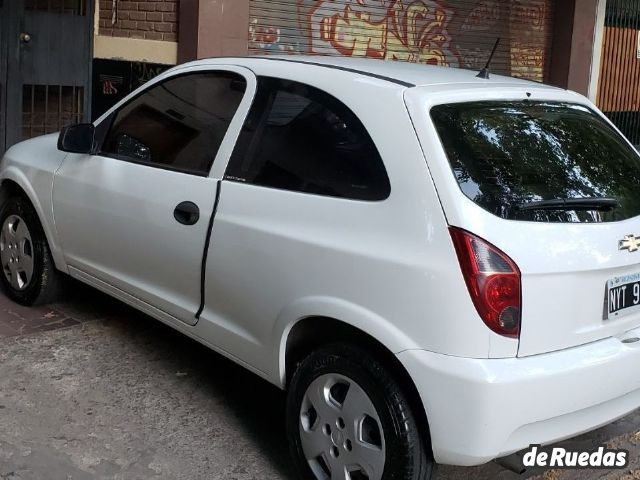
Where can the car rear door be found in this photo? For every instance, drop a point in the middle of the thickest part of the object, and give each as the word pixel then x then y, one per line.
pixel 503 161
pixel 135 216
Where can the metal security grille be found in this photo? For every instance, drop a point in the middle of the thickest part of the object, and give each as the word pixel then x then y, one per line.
pixel 619 87
pixel 46 68
pixel 3 74
pixel 46 108
pixel 456 33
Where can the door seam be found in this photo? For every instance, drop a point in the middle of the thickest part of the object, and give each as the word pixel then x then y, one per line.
pixel 207 242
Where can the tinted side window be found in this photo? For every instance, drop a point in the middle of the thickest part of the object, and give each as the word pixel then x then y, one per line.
pixel 299 138
pixel 178 124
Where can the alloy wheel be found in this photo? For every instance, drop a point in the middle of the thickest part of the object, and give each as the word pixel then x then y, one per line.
pixel 16 252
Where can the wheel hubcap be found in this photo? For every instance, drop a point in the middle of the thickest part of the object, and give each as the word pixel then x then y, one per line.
pixel 340 430
pixel 16 252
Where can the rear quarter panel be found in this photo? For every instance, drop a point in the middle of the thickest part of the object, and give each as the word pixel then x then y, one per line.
pixel 387 268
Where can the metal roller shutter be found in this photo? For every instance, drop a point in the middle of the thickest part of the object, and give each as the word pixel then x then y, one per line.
pixel 456 33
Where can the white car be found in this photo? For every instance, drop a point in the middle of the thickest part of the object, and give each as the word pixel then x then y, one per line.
pixel 437 267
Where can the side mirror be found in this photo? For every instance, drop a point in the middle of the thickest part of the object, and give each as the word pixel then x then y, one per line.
pixel 77 138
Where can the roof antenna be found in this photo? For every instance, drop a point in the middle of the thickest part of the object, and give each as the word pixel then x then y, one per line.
pixel 484 73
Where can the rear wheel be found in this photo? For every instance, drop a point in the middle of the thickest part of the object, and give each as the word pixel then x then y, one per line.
pixel 29 276
pixel 348 419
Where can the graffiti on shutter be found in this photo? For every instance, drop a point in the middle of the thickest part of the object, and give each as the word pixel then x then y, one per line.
pixel 437 32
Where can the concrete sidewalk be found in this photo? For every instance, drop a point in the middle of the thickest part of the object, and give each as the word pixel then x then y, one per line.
pixel 90 388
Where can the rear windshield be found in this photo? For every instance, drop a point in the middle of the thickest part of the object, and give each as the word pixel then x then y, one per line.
pixel 523 160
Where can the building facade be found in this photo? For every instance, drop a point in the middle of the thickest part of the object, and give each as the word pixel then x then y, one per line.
pixel 63 61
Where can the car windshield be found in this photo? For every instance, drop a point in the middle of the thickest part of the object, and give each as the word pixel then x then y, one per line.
pixel 540 161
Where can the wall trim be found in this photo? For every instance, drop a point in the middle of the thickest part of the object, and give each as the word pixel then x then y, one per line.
pixel 135 50
pixel 594 78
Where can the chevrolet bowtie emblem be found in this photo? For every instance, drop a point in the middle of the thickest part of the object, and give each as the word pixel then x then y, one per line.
pixel 630 242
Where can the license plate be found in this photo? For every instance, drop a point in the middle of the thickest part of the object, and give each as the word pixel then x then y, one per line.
pixel 623 294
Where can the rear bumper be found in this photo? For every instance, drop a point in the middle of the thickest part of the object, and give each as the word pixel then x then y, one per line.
pixel 481 409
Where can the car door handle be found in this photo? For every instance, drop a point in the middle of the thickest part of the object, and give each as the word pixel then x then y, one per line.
pixel 187 213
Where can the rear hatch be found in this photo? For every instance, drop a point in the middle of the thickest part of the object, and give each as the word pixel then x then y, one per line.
pixel 540 174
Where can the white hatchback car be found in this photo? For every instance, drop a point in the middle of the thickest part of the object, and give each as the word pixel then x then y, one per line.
pixel 438 267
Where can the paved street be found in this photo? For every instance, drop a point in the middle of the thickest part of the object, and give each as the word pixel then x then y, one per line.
pixel 89 388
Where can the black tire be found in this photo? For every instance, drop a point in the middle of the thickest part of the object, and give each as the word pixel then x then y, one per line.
pixel 44 285
pixel 407 456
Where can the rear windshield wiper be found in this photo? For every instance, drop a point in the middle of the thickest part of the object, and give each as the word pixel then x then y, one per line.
pixel 585 203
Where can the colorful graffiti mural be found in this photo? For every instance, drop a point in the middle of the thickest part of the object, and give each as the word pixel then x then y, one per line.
pixel 413 32
pixel 437 32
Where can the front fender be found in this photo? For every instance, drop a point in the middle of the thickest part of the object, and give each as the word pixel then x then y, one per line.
pixel 354 315
pixel 32 165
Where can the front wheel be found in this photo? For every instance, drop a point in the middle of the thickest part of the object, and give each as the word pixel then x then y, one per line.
pixel 348 419
pixel 29 276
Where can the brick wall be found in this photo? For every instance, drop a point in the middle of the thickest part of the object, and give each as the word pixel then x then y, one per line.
pixel 150 20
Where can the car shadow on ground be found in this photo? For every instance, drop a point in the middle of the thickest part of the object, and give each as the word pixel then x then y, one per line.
pixel 258 407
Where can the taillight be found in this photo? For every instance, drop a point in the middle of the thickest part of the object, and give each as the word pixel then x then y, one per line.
pixel 493 280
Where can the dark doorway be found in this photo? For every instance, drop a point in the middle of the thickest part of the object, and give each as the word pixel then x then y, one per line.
pixel 45 66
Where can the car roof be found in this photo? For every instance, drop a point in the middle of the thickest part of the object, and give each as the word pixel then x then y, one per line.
pixel 403 73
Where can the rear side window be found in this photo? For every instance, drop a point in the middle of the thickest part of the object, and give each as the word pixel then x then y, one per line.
pixel 540 161
pixel 178 124
pixel 299 138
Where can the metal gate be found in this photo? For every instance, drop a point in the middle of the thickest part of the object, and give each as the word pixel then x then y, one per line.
pixel 4 21
pixel 45 66
pixel 619 87
pixel 455 33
